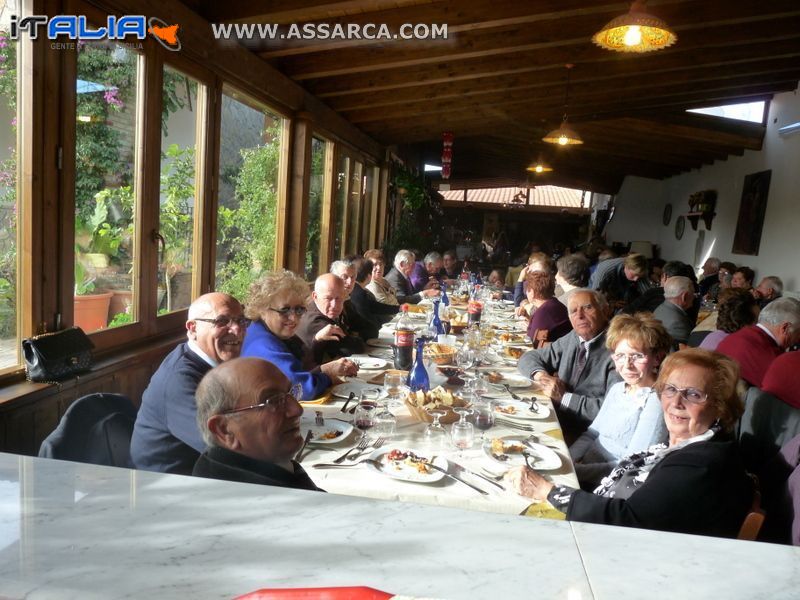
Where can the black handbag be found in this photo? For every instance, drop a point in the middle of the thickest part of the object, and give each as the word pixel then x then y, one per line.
pixel 51 357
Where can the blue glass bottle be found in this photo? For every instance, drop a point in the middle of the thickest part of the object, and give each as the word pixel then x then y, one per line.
pixel 445 299
pixel 437 321
pixel 418 378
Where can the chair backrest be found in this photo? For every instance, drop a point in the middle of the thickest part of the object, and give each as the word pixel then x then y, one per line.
pixel 781 484
pixel 96 429
pixel 766 425
pixel 755 517
pixel 540 338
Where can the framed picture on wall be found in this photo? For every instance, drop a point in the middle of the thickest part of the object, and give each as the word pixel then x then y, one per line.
pixel 752 211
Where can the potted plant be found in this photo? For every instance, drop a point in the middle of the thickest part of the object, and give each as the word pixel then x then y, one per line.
pixel 91 309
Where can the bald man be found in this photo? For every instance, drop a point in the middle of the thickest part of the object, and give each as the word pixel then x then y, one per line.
pixel 165 436
pixel 249 415
pixel 324 328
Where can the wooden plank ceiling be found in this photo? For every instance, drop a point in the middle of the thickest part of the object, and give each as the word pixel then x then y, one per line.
pixel 498 81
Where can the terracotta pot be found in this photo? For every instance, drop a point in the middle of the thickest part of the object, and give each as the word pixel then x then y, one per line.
pixel 120 302
pixel 91 311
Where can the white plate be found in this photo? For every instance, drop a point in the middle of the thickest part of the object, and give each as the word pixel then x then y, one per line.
pixel 354 385
pixel 307 423
pixel 368 362
pixel 405 472
pixel 515 380
pixel 546 458
pixel 522 410
pixel 379 343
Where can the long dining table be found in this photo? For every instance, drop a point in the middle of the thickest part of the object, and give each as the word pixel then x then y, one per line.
pixel 474 476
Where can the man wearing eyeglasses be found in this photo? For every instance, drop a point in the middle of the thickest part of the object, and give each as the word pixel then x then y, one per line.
pixel 249 415
pixel 165 436
pixel 323 328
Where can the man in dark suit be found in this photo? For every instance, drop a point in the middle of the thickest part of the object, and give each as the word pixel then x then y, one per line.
pixel 576 370
pixel 710 274
pixel 165 435
pixel 359 323
pixel 399 276
pixel 324 328
pixel 678 298
pixel 249 415
pixel 756 346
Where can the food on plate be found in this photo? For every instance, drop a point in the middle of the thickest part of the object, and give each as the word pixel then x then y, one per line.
pixel 514 352
pixel 501 449
pixel 459 319
pixel 437 397
pixel 506 409
pixel 400 458
pixel 493 377
pixel 435 348
pixel 453 375
pixel 512 337
pixel 328 435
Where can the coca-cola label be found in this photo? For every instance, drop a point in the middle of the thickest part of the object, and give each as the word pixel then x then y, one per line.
pixel 404 337
pixel 474 307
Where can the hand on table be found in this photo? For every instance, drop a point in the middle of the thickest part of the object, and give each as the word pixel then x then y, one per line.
pixel 430 292
pixel 330 332
pixel 342 367
pixel 529 483
pixel 551 386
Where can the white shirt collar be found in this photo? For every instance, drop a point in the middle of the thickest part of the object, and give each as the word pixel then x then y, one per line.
pixel 768 332
pixel 194 347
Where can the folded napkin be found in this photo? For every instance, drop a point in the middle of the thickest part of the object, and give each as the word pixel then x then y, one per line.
pixel 543 510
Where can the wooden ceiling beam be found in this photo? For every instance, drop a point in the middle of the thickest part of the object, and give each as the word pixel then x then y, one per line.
pixel 540 36
pixel 607 75
pixel 547 102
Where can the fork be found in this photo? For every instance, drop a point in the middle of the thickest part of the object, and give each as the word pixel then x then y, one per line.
pixel 335 465
pixel 380 441
pixel 530 459
pixel 319 421
pixel 362 445
pixel 513 395
pixel 492 476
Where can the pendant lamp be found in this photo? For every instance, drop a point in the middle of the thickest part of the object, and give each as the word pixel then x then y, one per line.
pixel 636 31
pixel 564 135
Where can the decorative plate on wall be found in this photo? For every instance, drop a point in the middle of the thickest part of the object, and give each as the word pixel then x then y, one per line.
pixel 680 225
pixel 667 214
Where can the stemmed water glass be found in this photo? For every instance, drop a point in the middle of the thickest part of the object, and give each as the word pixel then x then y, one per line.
pixel 394 385
pixel 434 438
pixel 462 433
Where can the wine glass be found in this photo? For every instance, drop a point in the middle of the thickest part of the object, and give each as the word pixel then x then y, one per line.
pixel 434 438
pixel 479 386
pixel 462 433
pixel 483 416
pixel 465 358
pixel 394 386
pixel 364 417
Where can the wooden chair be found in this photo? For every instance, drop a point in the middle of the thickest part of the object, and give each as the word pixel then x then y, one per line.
pixel 539 338
pixel 754 519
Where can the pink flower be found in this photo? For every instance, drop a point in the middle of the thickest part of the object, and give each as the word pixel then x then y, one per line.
pixel 2 58
pixel 14 121
pixel 3 43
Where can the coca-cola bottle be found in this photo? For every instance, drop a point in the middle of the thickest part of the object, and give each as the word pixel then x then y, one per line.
pixel 403 341
pixel 475 305
pixel 418 378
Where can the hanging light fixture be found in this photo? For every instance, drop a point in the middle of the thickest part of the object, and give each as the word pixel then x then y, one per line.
pixel 564 135
pixel 539 167
pixel 636 31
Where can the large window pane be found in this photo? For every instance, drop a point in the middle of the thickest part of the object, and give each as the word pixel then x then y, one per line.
pixel 177 192
pixel 370 204
pixel 340 206
pixel 316 195
pixel 105 131
pixel 354 209
pixel 9 345
pixel 250 155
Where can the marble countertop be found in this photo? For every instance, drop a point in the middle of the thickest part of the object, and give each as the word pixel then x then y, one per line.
pixel 70 530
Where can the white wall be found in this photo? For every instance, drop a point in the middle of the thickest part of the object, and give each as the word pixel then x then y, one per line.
pixel 640 203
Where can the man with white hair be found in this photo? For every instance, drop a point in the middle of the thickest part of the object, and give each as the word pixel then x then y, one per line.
pixel 360 325
pixel 678 298
pixel 425 274
pixel 770 288
pixel 165 435
pixel 710 274
pixel 756 346
pixel 399 279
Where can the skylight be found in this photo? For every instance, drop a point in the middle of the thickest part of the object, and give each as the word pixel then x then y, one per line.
pixel 432 167
pixel 748 111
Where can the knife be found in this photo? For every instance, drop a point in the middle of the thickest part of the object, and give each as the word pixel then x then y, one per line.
pixel 473 473
pixel 349 399
pixel 456 478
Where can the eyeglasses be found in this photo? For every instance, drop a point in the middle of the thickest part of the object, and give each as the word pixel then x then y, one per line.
pixel 223 321
pixel 284 312
pixel 273 404
pixel 636 357
pixel 690 394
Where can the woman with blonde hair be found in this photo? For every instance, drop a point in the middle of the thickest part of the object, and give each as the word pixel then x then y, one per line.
pixel 630 418
pixel 275 304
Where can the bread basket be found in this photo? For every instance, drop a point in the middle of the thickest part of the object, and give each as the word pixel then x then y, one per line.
pixel 421 414
pixel 440 353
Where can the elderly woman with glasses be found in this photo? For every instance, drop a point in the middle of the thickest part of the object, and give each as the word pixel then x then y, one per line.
pixel 695 483
pixel 630 418
pixel 275 304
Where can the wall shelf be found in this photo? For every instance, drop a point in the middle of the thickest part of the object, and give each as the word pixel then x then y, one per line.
pixel 694 219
